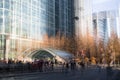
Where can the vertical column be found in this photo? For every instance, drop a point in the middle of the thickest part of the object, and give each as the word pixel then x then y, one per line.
pixel 6 48
pixel 3 27
pixel 7 43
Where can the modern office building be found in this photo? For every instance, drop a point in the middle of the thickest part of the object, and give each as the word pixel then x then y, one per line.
pixel 64 17
pixel 112 9
pixel 25 23
pixel 100 26
pixel 105 23
pixel 83 10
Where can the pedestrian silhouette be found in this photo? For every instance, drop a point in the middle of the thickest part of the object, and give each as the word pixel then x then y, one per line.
pixel 109 72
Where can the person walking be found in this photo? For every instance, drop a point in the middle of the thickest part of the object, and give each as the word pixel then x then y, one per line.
pixel 109 72
pixel 67 67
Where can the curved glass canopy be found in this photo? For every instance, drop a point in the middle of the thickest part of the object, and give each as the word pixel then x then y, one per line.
pixel 48 53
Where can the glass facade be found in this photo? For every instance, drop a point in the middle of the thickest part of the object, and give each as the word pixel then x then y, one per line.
pixel 25 23
pixel 105 22
pixel 100 27
pixel 64 17
pixel 83 10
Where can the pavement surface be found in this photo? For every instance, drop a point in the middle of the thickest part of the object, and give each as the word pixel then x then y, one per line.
pixel 86 74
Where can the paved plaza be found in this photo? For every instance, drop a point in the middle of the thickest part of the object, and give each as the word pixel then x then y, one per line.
pixel 87 74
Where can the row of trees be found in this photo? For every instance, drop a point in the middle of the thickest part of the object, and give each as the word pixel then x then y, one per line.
pixel 89 45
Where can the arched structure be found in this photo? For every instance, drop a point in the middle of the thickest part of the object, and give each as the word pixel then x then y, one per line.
pixel 48 53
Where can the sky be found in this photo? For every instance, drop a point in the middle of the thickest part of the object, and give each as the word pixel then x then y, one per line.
pixel 101 5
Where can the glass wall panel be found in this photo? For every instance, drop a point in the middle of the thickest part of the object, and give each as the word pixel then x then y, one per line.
pixel 1 3
pixel 33 20
pixel 2 46
pixel 1 24
pixel 6 4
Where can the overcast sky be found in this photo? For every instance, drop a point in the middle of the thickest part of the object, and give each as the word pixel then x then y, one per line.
pixel 101 5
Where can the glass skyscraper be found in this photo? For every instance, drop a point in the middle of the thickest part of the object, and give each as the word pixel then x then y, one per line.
pixel 25 23
pixel 105 23
pixel 83 10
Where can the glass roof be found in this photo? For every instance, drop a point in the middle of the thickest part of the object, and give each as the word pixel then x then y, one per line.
pixel 52 53
pixel 42 54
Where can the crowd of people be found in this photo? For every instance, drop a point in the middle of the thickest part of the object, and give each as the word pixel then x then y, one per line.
pixel 42 65
pixel 36 65
pixel 12 66
pixel 21 66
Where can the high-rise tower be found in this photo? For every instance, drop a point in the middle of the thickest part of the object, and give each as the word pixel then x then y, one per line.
pixel 83 10
pixel 25 23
